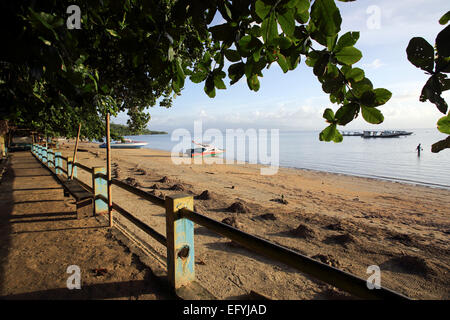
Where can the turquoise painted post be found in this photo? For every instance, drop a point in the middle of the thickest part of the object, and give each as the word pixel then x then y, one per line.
pixel 100 186
pixel 50 158
pixel 180 241
pixel 69 168
pixel 39 153
pixel 45 155
pixel 58 163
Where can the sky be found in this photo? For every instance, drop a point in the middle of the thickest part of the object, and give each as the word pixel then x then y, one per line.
pixel 295 100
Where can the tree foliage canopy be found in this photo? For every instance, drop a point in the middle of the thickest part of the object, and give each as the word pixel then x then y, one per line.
pixel 131 54
pixel 435 61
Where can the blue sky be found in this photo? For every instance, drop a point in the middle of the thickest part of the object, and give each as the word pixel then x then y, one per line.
pixel 295 101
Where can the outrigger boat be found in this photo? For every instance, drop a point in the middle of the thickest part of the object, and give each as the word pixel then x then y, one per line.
pixel 127 144
pixel 205 150
pixel 385 134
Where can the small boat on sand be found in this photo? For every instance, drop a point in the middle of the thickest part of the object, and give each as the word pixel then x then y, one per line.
pixel 126 144
pixel 205 150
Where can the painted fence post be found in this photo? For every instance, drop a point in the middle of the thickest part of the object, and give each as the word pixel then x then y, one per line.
pixel 50 158
pixel 180 241
pixel 45 155
pixel 58 163
pixel 39 153
pixel 100 186
pixel 69 167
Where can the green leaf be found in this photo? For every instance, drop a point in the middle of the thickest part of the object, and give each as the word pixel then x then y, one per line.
pixel 326 17
pixel 262 9
pixel 348 55
pixel 253 82
pixel 287 22
pixel 245 43
pixel 269 29
pixel 421 54
pixel 443 124
pixel 347 113
pixel 382 96
pixel 218 82
pixel 330 133
pixel 432 92
pixel 347 40
pixel 443 42
pixel 209 86
pixel 282 62
pixel 223 32
pixel 328 114
pixel 358 88
pixel 113 33
pixel 445 18
pixel 372 115
pixel 236 71
pixel 232 55
pixel 355 74
pixel 170 53
pixel 198 77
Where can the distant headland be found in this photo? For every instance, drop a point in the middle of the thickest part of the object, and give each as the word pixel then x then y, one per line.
pixel 123 130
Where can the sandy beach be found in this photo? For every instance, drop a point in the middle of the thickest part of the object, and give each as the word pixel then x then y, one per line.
pixel 345 221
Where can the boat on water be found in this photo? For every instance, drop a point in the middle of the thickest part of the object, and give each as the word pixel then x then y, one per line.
pixel 204 150
pixel 126 144
pixel 352 133
pixel 385 134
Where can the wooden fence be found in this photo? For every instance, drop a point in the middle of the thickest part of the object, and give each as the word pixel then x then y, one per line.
pixel 179 238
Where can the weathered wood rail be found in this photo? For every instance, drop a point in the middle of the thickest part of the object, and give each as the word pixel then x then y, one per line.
pixel 179 238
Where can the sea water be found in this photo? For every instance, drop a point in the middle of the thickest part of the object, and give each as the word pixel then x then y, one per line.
pixel 383 158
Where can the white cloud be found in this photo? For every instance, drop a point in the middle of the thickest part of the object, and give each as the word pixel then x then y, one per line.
pixel 375 64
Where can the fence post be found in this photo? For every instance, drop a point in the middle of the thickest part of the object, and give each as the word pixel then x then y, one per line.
pixel 39 153
pixel 180 241
pixel 100 188
pixel 69 167
pixel 50 158
pixel 58 163
pixel 45 155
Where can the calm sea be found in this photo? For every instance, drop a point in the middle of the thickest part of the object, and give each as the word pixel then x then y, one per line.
pixel 382 158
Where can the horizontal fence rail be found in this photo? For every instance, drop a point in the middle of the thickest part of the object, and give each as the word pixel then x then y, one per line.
pixel 141 193
pixel 338 278
pixel 144 227
pixel 180 232
pixel 79 165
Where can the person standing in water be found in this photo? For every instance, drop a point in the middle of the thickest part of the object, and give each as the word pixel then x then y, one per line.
pixel 419 148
